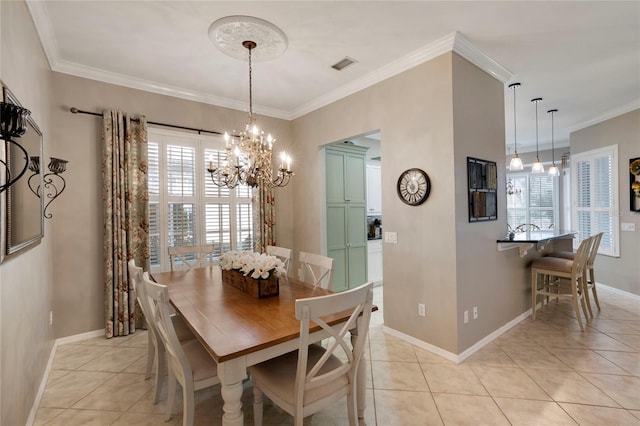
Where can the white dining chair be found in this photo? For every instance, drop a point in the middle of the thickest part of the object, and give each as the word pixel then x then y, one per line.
pixel 308 380
pixel 155 347
pixel 191 256
pixel 317 268
pixel 281 253
pixel 188 361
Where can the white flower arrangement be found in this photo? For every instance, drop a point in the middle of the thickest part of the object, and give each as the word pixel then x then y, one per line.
pixel 255 265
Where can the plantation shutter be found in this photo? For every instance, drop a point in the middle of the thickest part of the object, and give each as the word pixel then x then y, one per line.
pixel 541 201
pixel 185 206
pixel 153 181
pixel 595 188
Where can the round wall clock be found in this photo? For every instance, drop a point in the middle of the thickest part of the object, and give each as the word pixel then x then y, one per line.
pixel 414 187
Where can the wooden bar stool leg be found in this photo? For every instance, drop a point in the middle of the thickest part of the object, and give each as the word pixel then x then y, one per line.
pixel 585 296
pixel 534 288
pixel 575 302
pixel 592 279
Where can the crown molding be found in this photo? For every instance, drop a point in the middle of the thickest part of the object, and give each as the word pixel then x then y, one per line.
pixel 417 57
pixel 45 30
pixel 631 106
pixel 453 42
pixel 464 48
pixel 162 89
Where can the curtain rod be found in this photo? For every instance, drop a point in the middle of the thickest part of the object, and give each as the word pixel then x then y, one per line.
pixel 79 111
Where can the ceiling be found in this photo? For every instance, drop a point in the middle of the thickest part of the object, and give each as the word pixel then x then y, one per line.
pixel 582 58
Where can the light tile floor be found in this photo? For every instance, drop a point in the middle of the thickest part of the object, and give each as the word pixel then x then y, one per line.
pixel 543 372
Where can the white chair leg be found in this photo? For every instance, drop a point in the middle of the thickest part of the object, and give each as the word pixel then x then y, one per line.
pixel 351 408
pixel 151 353
pixel 188 403
pixel 161 362
pixel 257 405
pixel 171 395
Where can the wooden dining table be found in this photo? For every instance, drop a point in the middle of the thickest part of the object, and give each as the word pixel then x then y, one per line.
pixel 239 330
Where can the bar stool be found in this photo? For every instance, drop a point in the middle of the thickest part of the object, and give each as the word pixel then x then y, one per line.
pixel 590 280
pixel 552 270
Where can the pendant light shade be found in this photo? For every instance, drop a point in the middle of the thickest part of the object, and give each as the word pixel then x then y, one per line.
pixel 537 166
pixel 516 162
pixel 553 170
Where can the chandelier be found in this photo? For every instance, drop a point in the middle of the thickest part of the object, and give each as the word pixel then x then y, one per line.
pixel 248 155
pixel 512 189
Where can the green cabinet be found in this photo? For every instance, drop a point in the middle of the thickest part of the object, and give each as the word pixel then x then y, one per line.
pixel 347 214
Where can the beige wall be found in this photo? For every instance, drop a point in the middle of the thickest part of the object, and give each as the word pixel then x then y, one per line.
pixel 478 110
pixel 622 272
pixel 432 117
pixel 78 299
pixel 26 283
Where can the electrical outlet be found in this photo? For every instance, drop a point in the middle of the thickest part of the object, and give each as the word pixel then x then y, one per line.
pixel 421 309
pixel 50 317
pixel 628 227
pixel 475 312
pixel 466 317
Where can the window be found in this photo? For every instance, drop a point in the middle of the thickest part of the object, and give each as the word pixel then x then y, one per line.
pixel 595 197
pixel 532 199
pixel 185 207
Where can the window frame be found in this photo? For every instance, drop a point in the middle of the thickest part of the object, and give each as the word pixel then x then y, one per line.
pixel 614 209
pixel 200 143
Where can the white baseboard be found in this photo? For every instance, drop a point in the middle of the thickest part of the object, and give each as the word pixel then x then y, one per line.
pixel 617 291
pixel 52 354
pixel 465 354
pixel 43 383
pixel 79 337
pixel 421 344
pixel 491 337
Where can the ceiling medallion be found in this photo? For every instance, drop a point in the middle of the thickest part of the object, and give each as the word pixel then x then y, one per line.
pixel 230 32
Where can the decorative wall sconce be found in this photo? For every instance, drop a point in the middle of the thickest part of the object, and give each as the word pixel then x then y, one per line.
pixel 13 124
pixel 54 184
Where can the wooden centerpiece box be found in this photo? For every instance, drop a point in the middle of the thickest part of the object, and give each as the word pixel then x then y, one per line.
pixel 259 288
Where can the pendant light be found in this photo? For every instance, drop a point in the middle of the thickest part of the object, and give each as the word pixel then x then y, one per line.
pixel 553 170
pixel 516 162
pixel 537 166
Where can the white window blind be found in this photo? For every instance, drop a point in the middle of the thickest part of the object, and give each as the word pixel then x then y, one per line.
pixel 534 200
pixel 595 199
pixel 185 207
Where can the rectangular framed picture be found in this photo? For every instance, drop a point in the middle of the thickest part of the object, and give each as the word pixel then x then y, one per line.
pixel 482 178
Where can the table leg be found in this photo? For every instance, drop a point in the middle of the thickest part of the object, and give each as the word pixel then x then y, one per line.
pixel 231 374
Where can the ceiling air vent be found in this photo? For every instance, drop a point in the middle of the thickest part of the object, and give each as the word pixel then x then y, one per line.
pixel 340 65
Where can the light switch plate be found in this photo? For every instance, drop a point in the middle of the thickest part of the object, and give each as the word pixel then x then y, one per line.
pixel 391 237
pixel 629 227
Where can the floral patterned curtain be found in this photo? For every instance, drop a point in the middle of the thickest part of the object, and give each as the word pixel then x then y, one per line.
pixel 126 228
pixel 264 217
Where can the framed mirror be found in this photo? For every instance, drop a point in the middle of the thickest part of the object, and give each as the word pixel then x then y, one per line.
pixel 21 209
